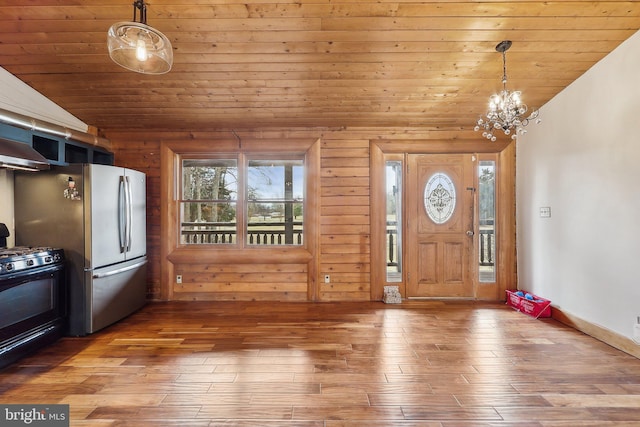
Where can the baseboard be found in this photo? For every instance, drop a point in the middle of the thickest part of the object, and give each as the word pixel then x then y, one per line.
pixel 598 332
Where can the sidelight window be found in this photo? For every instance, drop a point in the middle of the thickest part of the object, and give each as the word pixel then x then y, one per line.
pixel 487 223
pixel 393 239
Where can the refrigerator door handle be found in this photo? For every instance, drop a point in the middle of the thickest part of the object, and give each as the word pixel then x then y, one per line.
pixel 122 220
pixel 120 270
pixel 129 214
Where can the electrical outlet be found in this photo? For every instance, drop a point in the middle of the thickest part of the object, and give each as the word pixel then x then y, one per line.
pixel 327 279
pixel 179 278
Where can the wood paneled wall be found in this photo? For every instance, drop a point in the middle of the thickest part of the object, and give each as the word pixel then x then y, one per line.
pixel 345 230
pixel 344 222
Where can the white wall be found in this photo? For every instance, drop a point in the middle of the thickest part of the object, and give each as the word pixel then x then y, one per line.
pixel 583 161
pixel 6 207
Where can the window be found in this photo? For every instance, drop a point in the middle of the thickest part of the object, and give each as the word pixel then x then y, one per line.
pixel 242 200
pixel 486 211
pixel 275 191
pixel 209 202
pixel 394 220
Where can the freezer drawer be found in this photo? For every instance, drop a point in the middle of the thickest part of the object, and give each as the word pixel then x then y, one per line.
pixel 115 292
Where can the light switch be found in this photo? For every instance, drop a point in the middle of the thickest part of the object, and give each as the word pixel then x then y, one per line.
pixel 545 212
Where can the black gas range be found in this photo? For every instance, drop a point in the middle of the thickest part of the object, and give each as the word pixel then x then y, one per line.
pixel 33 300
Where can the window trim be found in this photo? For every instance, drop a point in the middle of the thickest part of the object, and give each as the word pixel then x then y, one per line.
pixel 174 252
pixel 504 153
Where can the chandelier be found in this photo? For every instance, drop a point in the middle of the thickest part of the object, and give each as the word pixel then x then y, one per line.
pixel 506 109
pixel 139 47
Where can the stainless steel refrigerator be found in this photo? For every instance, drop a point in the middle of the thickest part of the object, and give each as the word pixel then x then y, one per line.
pixel 97 214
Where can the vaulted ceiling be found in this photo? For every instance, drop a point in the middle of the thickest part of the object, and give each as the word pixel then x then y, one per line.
pixel 289 63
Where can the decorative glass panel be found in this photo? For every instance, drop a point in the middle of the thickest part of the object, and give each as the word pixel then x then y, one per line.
pixel 439 198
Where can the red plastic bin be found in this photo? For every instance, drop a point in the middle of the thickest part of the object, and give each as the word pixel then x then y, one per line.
pixel 538 307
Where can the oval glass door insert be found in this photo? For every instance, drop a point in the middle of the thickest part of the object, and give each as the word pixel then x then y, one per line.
pixel 439 198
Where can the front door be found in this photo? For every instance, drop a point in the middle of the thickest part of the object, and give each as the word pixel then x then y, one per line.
pixel 440 224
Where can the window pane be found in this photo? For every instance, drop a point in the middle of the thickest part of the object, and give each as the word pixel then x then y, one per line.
pixel 394 215
pixel 275 192
pixel 275 224
pixel 208 222
pixel 208 201
pixel 209 179
pixel 487 209
pixel 276 180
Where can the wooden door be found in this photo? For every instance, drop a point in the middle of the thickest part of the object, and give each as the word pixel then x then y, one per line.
pixel 440 226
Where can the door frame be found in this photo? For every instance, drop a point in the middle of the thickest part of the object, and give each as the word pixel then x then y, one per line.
pixel 382 150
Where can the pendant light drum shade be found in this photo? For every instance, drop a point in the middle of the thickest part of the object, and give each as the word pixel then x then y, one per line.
pixel 140 48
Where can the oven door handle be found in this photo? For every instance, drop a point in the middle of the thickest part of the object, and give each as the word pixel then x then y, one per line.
pixel 120 270
pixel 26 340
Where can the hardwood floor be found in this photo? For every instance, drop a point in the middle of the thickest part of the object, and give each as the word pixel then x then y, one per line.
pixel 424 363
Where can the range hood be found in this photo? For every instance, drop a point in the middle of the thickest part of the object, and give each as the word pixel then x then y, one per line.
pixel 18 155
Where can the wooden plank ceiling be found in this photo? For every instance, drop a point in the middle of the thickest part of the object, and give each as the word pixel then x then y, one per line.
pixel 310 63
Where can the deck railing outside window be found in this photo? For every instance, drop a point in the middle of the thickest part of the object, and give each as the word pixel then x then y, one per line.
pixel 273 234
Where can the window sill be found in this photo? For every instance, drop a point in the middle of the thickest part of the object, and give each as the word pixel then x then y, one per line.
pixel 209 254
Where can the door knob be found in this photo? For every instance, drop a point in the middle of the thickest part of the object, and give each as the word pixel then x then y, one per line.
pixel 469 233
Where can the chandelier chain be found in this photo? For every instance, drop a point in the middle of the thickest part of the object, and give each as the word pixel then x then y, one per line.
pixel 504 70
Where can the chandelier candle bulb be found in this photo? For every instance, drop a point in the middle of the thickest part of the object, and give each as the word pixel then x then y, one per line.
pixel 506 109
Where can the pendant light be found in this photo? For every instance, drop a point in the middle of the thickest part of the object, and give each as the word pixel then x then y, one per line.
pixel 139 47
pixel 506 110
